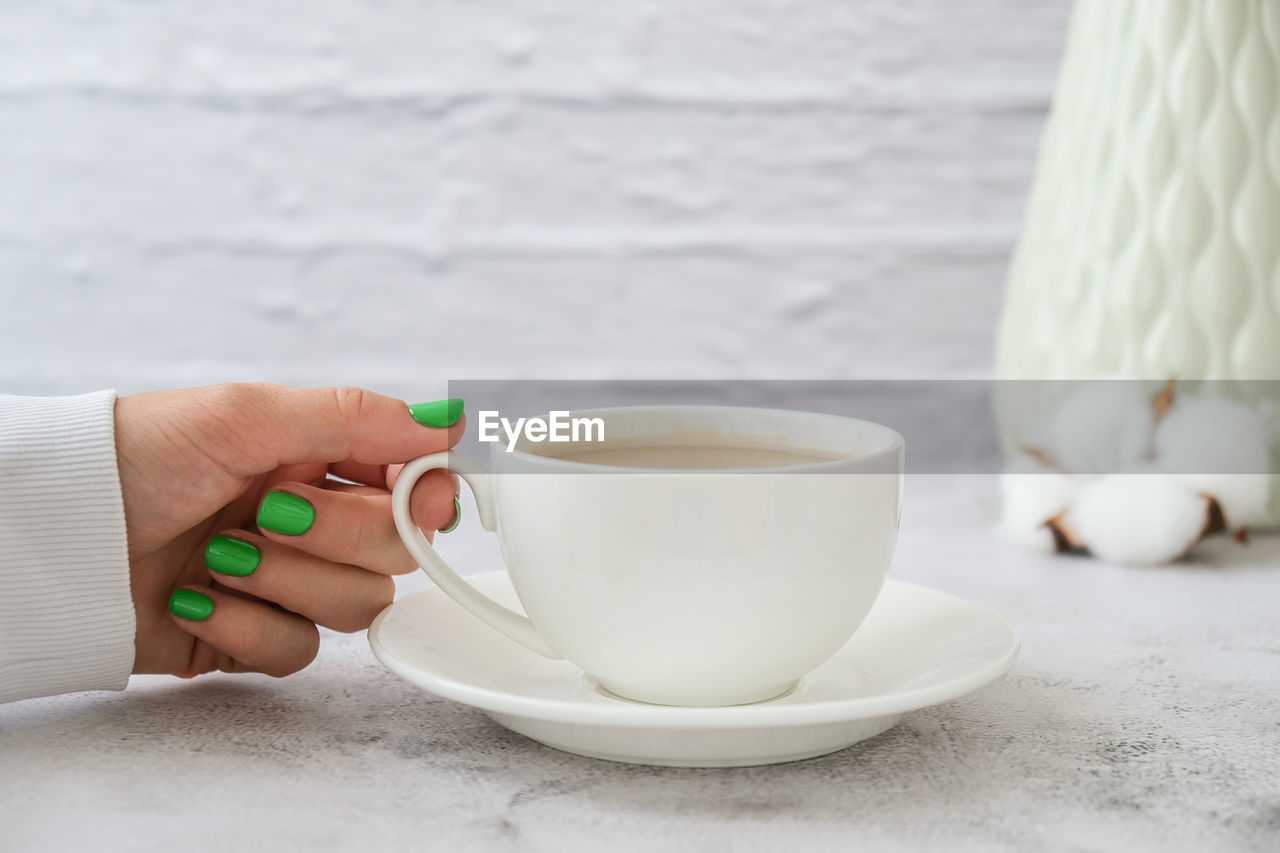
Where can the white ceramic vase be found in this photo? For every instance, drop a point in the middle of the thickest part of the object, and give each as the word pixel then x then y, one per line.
pixel 1151 244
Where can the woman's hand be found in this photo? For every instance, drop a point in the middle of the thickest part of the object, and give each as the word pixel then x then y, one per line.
pixel 240 543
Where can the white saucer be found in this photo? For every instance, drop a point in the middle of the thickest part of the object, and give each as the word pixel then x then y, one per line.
pixel 918 647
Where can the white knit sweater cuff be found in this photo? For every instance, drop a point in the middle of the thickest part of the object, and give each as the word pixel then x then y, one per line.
pixel 66 614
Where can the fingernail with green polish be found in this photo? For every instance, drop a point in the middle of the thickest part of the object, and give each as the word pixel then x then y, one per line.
pixel 437 413
pixel 190 604
pixel 231 556
pixel 285 513
pixel 457 516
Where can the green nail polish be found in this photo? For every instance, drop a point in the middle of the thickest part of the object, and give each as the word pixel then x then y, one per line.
pixel 437 413
pixel 285 513
pixel 231 556
pixel 190 604
pixel 457 516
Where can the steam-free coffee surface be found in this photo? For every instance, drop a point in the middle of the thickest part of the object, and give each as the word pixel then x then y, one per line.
pixel 701 456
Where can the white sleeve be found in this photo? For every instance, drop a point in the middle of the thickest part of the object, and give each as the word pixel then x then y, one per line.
pixel 66 613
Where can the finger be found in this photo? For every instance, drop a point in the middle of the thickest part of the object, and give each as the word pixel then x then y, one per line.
pixel 309 472
pixel 253 633
pixel 351 488
pixel 383 476
pixel 359 472
pixel 423 502
pixel 433 503
pixel 342 597
pixel 255 428
pixel 421 507
pixel 350 528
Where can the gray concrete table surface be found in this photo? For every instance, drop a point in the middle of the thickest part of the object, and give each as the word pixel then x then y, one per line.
pixel 1143 714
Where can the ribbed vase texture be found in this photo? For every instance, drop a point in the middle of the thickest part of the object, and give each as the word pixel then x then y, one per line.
pixel 1151 245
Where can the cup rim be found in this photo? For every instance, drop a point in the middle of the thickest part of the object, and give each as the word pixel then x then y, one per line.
pixel 896 443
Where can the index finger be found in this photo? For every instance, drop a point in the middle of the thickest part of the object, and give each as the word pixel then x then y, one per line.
pixel 255 428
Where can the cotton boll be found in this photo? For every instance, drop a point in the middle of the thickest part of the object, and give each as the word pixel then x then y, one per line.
pixel 1039 539
pixel 1218 447
pixel 1139 519
pixel 1104 426
pixel 1242 497
pixel 1020 522
pixel 1032 494
pixel 1213 434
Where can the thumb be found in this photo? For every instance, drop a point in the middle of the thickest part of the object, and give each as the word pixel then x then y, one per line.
pixel 262 427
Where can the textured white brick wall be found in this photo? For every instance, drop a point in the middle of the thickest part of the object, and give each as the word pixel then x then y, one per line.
pixel 397 193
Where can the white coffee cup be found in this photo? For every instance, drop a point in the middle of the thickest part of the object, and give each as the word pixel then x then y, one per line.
pixel 678 586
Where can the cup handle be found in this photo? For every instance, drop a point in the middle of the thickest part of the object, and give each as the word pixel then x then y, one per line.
pixel 516 626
